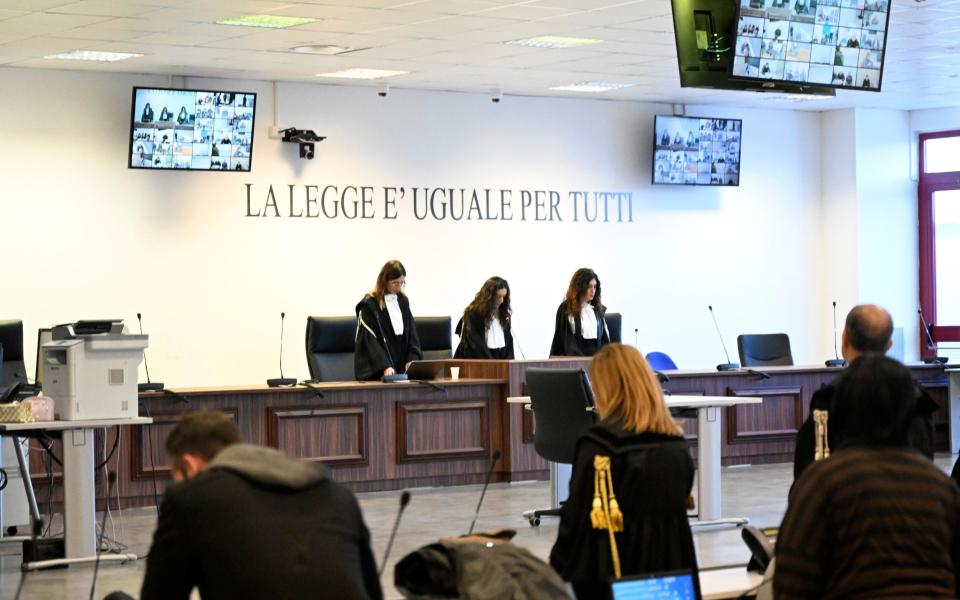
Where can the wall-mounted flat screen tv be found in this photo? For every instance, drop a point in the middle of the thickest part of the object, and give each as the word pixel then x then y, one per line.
pixel 837 43
pixel 696 151
pixel 200 130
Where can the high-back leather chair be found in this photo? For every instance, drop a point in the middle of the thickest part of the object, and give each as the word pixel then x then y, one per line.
pixel 330 344
pixel 560 399
pixel 613 325
pixel 435 338
pixel 764 349
pixel 12 369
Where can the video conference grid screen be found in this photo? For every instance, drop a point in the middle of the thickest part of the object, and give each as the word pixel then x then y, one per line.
pixel 191 129
pixel 696 151
pixel 838 43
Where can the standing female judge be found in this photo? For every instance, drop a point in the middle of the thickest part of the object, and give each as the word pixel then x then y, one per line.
pixel 637 452
pixel 580 329
pixel 386 340
pixel 484 329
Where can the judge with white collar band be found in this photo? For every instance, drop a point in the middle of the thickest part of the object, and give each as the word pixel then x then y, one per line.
pixel 580 329
pixel 386 341
pixel 484 329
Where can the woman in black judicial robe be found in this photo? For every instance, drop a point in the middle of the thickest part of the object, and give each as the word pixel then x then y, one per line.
pixel 484 329
pixel 652 475
pixel 580 329
pixel 386 340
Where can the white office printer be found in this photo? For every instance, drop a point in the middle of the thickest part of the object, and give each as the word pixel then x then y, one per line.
pixel 90 370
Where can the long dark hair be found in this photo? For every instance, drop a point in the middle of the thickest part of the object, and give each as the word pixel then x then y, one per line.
pixel 874 401
pixel 578 287
pixel 393 269
pixel 485 302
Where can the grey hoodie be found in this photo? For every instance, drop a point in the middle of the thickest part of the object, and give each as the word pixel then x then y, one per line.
pixel 270 467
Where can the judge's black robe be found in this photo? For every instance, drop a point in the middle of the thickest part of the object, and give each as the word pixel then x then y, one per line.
pixel 473 339
pixel 652 478
pixel 571 343
pixel 377 347
pixel 920 434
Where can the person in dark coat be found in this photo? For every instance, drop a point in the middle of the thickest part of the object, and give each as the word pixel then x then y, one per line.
pixel 580 329
pixel 386 338
pixel 250 522
pixel 652 476
pixel 868 330
pixel 484 329
pixel 876 519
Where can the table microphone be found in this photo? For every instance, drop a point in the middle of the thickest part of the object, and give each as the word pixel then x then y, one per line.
pixel 404 501
pixel 111 479
pixel 836 361
pixel 728 366
pixel 149 386
pixel 281 381
pixel 493 461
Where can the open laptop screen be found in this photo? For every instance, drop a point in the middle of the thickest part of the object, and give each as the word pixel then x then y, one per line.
pixel 677 585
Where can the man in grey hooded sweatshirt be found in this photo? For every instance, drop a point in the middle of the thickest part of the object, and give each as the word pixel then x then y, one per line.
pixel 250 522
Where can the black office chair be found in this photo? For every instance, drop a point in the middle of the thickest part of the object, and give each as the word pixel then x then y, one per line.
pixel 435 338
pixel 613 326
pixel 764 349
pixel 330 344
pixel 560 399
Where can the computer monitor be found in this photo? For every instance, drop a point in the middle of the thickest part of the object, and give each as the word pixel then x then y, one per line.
pixel 44 335
pixel 676 585
pixel 11 338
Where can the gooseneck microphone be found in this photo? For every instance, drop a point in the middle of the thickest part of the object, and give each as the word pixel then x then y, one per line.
pixel 940 360
pixel 149 386
pixel 404 501
pixel 727 366
pixel 493 461
pixel 281 381
pixel 836 361
pixel 111 479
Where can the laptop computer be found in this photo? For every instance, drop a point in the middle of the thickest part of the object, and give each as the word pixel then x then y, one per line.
pixel 426 369
pixel 674 585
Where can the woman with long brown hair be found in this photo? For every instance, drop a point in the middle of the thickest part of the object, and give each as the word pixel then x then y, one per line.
pixel 580 329
pixel 650 473
pixel 386 340
pixel 484 329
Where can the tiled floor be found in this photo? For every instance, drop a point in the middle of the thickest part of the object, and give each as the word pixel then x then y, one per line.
pixel 758 492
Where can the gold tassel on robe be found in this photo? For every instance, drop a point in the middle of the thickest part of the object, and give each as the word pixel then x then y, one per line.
pixel 820 418
pixel 605 513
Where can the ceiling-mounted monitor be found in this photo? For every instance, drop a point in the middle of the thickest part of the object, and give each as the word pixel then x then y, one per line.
pixel 836 43
pixel 704 31
pixel 199 130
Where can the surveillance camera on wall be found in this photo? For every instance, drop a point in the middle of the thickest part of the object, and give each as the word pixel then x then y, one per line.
pixel 496 95
pixel 383 89
pixel 305 138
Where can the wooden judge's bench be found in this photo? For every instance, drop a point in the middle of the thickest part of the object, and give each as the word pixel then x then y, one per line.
pixel 377 436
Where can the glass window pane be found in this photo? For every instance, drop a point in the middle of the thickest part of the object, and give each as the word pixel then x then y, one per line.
pixel 941 155
pixel 946 221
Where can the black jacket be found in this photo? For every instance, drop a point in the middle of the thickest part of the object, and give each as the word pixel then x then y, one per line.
pixel 921 434
pixel 473 339
pixel 652 479
pixel 571 343
pixel 257 524
pixel 376 345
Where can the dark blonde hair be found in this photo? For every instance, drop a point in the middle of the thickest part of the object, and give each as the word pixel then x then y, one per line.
pixel 628 393
pixel 393 269
pixel 577 288
pixel 485 302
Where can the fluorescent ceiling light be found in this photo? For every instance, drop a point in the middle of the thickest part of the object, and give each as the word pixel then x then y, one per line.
pixel 324 49
pixel 592 87
pixel 362 73
pixel 268 21
pixel 554 41
pixel 92 55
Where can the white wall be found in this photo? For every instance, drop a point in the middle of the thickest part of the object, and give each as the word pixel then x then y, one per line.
pixel 87 237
